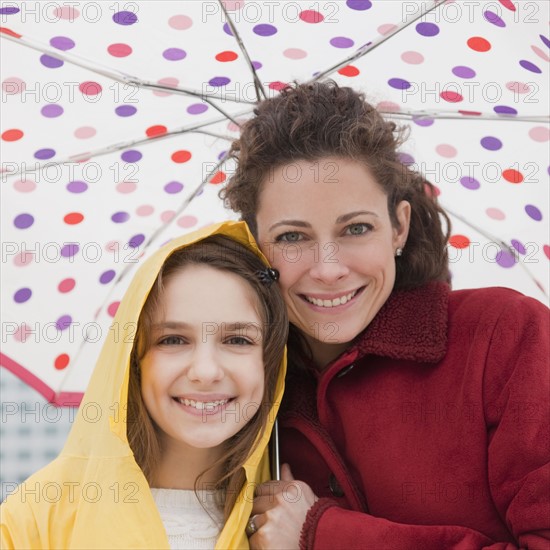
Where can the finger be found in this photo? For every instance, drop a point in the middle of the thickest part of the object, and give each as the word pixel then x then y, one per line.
pixel 270 488
pixel 263 504
pixel 286 473
pixel 257 520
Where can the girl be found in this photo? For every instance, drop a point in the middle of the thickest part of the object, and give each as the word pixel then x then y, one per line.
pixel 172 432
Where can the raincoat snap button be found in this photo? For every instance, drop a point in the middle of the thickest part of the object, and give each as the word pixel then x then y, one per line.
pixel 343 372
pixel 335 488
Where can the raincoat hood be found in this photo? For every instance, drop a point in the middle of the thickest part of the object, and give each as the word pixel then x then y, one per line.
pixel 94 495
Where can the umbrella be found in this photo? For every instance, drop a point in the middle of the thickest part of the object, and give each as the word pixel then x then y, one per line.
pixel 116 119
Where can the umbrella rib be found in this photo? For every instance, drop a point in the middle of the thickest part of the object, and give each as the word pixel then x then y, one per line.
pixel 370 46
pixel 260 91
pixel 411 114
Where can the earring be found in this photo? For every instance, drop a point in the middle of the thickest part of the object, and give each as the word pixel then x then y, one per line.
pixel 399 252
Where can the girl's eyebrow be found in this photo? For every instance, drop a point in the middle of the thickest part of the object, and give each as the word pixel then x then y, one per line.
pixel 340 219
pixel 237 325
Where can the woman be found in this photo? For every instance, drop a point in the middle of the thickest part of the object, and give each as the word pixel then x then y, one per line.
pixel 414 417
pixel 171 435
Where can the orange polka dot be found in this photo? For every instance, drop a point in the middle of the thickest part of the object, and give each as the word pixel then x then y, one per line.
pixel 513 176
pixel 12 135
pixel 157 130
pixel 459 241
pixel 349 70
pixel 61 361
pixel 479 44
pixel 181 156
pixel 218 177
pixel 73 218
pixel 227 56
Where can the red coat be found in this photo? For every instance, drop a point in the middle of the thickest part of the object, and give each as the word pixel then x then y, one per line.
pixel 432 431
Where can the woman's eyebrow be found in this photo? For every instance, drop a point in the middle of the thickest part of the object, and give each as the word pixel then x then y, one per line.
pixel 346 217
pixel 296 223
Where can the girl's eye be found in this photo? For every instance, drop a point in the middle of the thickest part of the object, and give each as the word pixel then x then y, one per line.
pixel 358 228
pixel 238 341
pixel 172 341
pixel 289 237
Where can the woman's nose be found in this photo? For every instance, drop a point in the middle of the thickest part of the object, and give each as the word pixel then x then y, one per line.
pixel 327 265
pixel 205 365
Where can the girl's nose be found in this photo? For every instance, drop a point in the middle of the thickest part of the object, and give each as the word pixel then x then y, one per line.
pixel 205 366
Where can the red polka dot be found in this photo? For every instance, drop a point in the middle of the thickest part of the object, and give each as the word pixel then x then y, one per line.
pixel 227 56
pixel 112 309
pixel 119 50
pixel 66 285
pixel 546 249
pixel 479 44
pixel 513 176
pixel 158 130
pixel 90 88
pixel 459 241
pixel 9 32
pixel 349 70
pixel 277 85
pixel 470 113
pixel 433 191
pixel 451 97
pixel 73 218
pixel 311 16
pixel 61 361
pixel 181 156
pixel 12 135
pixel 218 177
pixel 508 4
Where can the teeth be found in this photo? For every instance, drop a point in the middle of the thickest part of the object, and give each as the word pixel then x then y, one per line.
pixel 332 303
pixel 201 405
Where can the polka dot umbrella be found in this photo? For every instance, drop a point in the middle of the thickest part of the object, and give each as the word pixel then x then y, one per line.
pixel 116 118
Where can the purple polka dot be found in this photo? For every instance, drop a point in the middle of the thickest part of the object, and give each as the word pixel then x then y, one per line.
pixel 107 276
pixel 359 5
pixel 64 322
pixel 44 154
pixel 530 66
pixel 519 247
pixel 493 18
pixel 427 29
pixel 50 62
pixel 219 81
pixel 173 187
pixel 10 10
pixel 263 29
pixel 257 65
pixel 469 183
pixel 62 43
pixel 197 108
pixel 221 155
pixel 423 121
pixel 131 156
pixel 136 240
pixel 22 295
pixel 120 217
pixel 227 29
pixel 52 110
pixel 505 110
pixel 491 143
pixel 174 54
pixel 463 72
pixel 399 83
pixel 23 221
pixel 70 250
pixel 505 259
pixel 77 186
pixel 533 212
pixel 406 159
pixel 125 110
pixel 341 42
pixel 125 18
pixel 545 40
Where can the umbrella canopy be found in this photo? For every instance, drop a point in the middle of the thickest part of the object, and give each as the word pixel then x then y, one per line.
pixel 116 119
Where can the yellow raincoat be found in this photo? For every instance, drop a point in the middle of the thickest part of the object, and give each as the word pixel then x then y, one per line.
pixel 94 495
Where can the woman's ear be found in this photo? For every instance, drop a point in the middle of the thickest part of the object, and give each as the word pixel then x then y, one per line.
pixel 403 215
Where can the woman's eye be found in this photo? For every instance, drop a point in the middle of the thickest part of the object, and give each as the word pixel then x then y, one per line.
pixel 289 237
pixel 238 341
pixel 359 228
pixel 172 341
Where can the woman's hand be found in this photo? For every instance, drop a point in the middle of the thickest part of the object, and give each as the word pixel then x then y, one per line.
pixel 279 512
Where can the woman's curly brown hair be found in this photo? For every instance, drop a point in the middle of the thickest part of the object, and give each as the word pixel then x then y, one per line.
pixel 313 121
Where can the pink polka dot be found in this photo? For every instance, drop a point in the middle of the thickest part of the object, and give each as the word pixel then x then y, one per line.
pixel 144 210
pixel 66 285
pixel 168 81
pixel 85 132
pixel 23 258
pixel 232 127
pixel 386 28
pixel 13 85
pixel 540 53
pixel 24 186
pixel 539 133
pixel 119 50
pixel 187 221
pixel 22 333
pixel 113 247
pixel 388 106
pixel 413 58
pixel 66 12
pixel 518 87
pixel 495 213
pixel 90 88
pixel 167 215
pixel 445 150
pixel 294 53
pixel 126 187
pixel 112 309
pixel 180 22
pixel 233 5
